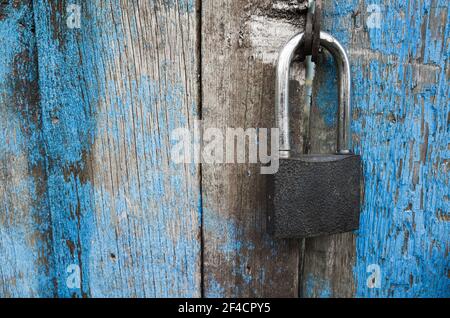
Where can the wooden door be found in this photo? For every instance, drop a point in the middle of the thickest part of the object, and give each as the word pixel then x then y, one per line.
pixel 93 206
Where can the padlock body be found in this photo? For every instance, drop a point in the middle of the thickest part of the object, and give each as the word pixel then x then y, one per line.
pixel 315 195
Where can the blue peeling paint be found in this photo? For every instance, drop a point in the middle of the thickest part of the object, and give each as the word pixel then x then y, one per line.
pixel 136 233
pixel 25 250
pixel 401 131
pixel 326 101
pixel 314 284
pixel 236 252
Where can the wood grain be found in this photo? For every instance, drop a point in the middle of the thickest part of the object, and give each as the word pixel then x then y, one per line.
pixel 92 204
pixel 111 93
pixel 401 129
pixel 240 43
pixel 25 224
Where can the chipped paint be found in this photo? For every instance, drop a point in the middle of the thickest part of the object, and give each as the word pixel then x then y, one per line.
pixel 111 185
pixel 96 186
pixel 86 181
pixel 236 252
pixel 317 287
pixel 400 127
pixel 25 253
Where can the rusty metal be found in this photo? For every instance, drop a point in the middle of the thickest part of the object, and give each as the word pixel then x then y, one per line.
pixel 316 30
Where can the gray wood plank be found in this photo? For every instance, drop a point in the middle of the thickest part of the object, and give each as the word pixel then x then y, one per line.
pixel 240 44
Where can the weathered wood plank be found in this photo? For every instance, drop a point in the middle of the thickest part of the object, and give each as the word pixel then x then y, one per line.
pixel 92 204
pixel 401 129
pixel 112 89
pixel 328 261
pixel 25 226
pixel 240 44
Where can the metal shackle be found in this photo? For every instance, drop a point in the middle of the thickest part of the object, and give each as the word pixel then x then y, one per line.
pixel 282 92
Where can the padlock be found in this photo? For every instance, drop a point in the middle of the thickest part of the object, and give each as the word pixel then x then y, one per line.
pixel 314 194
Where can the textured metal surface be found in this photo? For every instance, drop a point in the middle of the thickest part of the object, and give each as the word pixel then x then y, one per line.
pixel 315 195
